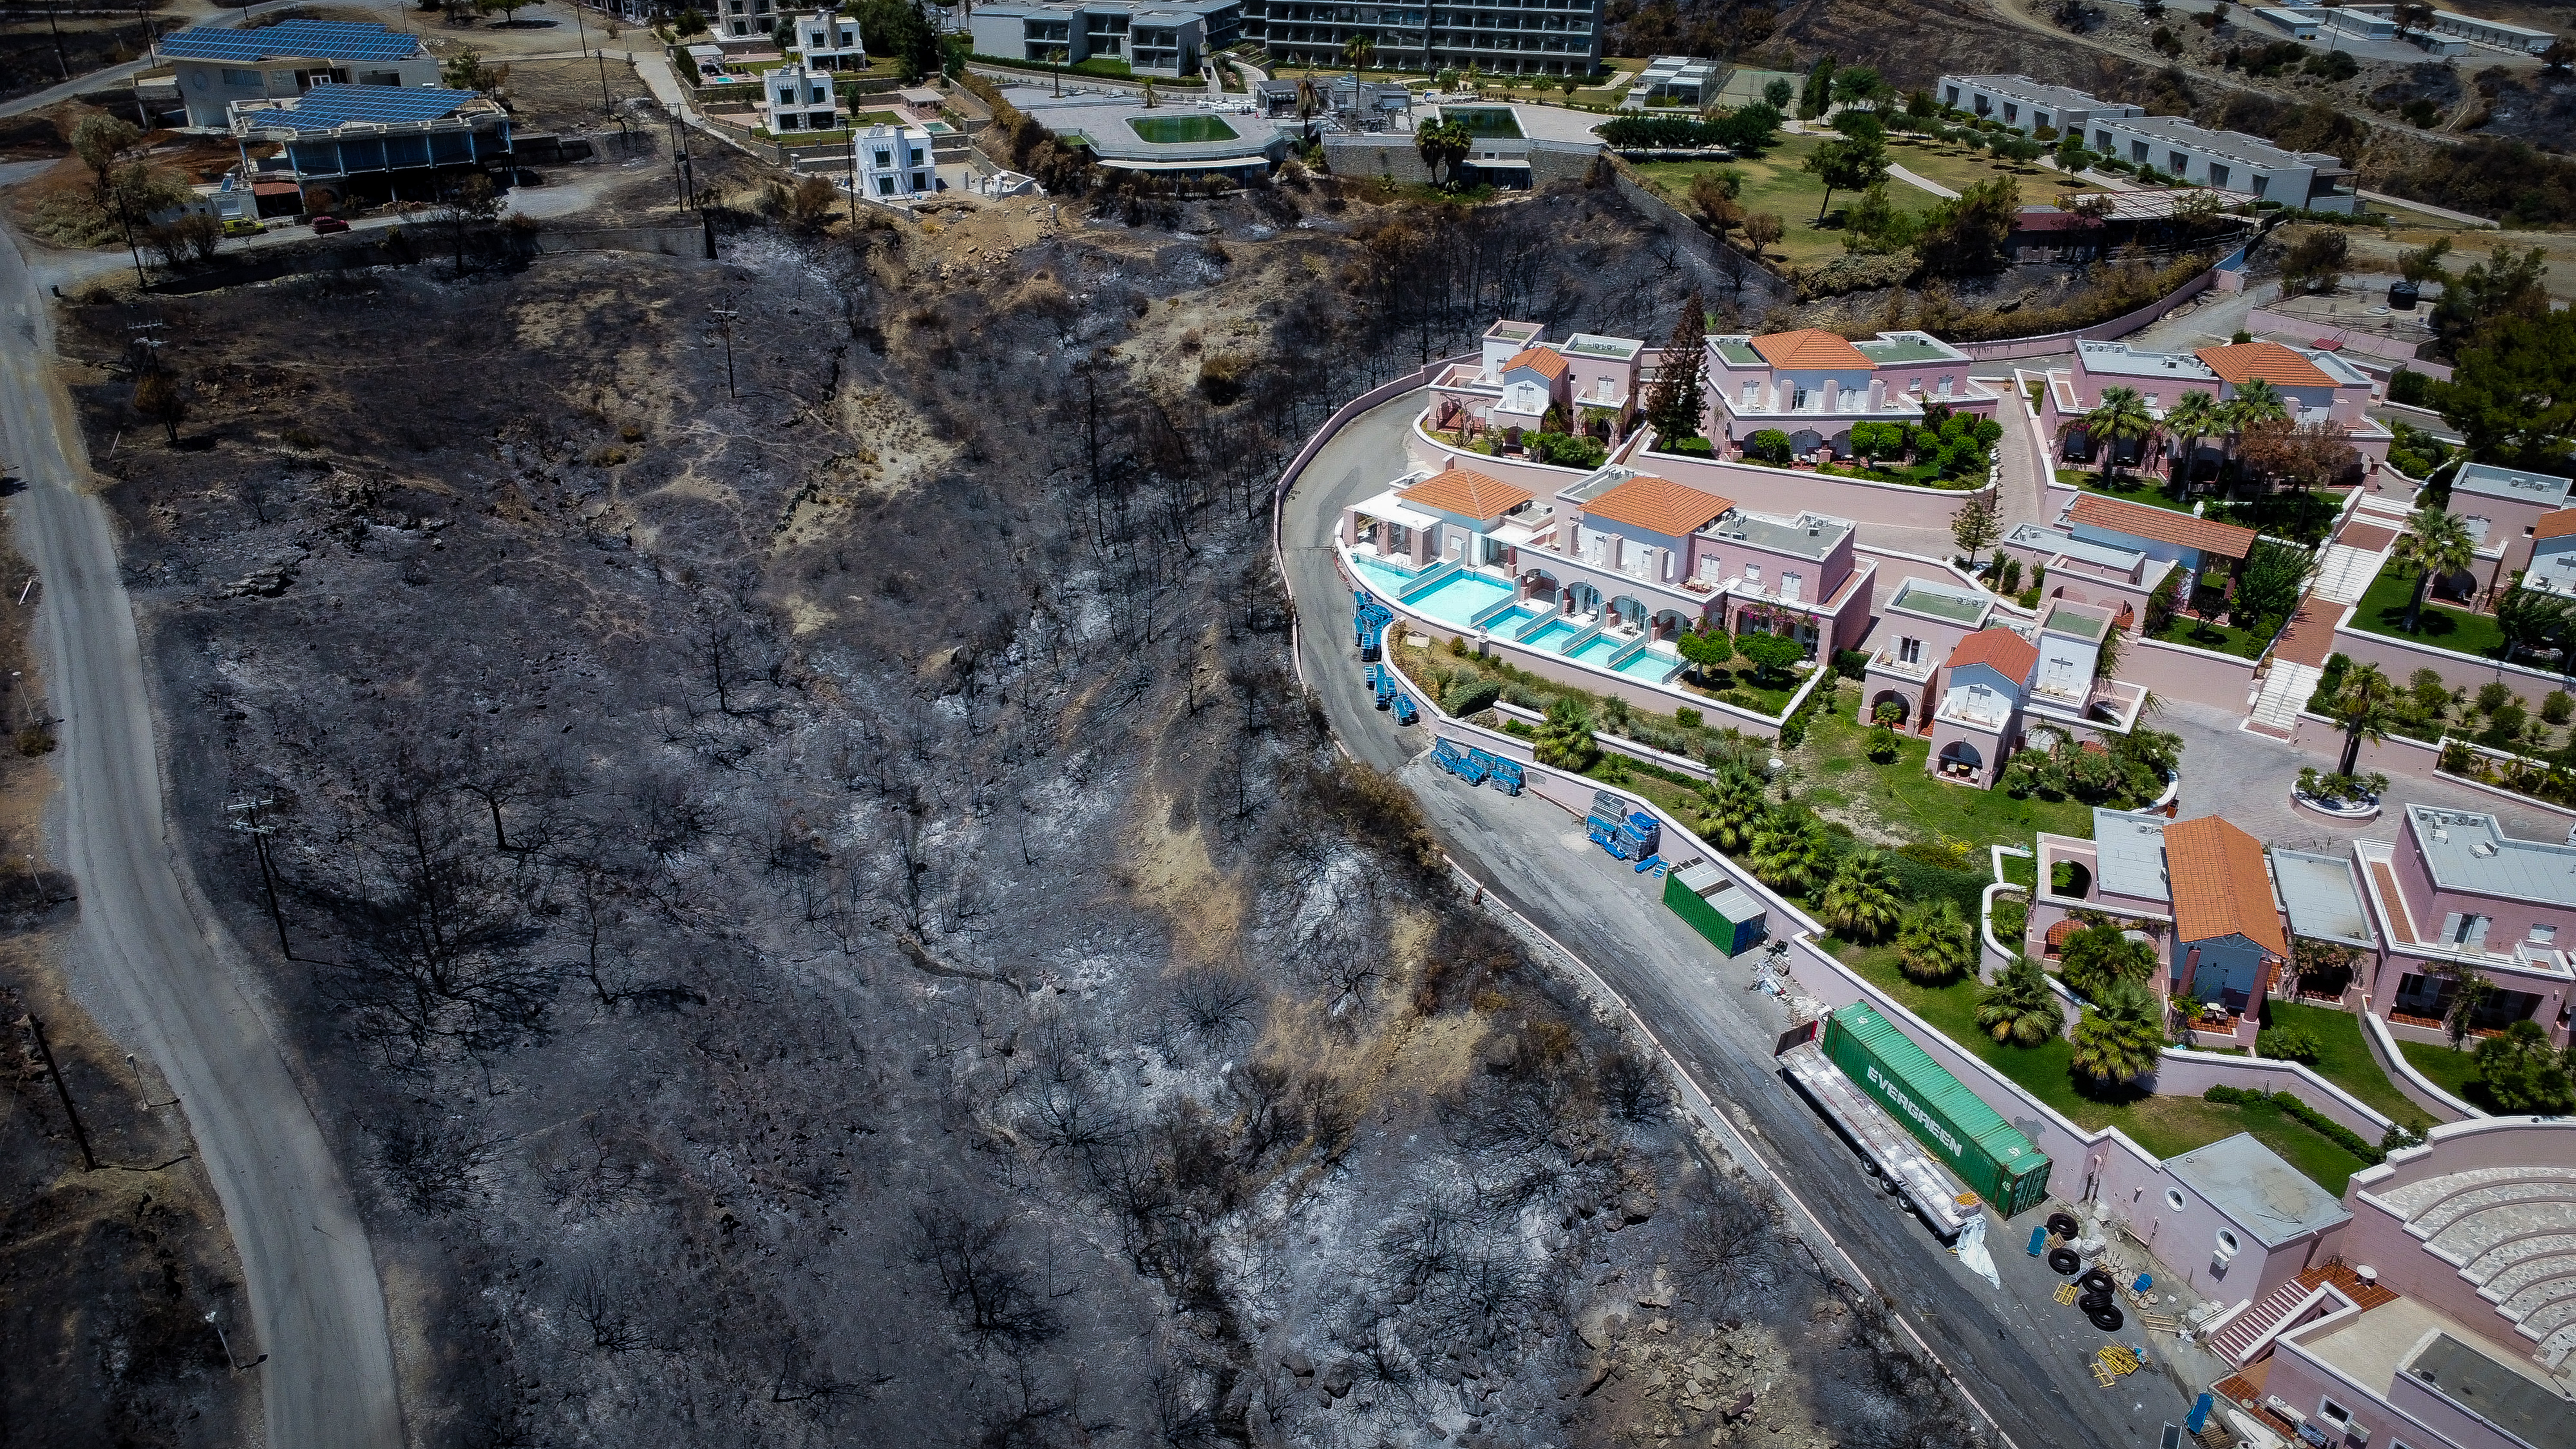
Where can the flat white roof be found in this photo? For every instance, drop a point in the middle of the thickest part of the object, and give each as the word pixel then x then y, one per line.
pixel 2323 899
pixel 2129 854
pixel 2118 359
pixel 2257 1191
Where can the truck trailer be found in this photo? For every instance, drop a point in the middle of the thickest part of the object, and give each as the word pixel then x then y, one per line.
pixel 1972 1139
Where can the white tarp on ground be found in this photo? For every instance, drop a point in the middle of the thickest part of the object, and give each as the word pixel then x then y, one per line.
pixel 1972 1250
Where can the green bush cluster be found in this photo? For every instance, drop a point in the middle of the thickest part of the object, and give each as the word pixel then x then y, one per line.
pixel 1742 131
pixel 2307 1116
pixel 1566 450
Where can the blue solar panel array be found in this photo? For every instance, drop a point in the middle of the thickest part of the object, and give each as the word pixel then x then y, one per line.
pixel 327 106
pixel 320 39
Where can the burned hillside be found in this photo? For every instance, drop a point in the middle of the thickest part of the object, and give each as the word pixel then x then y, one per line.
pixel 805 889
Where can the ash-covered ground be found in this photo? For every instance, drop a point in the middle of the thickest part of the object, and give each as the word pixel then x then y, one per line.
pixel 814 906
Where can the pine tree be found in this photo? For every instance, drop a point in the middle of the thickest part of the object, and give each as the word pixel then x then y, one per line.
pixel 1674 404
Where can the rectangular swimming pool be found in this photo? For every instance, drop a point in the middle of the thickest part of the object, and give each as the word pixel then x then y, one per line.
pixel 1552 637
pixel 1381 578
pixel 1502 624
pixel 1458 598
pixel 1652 665
pixel 1597 650
pixel 1177 130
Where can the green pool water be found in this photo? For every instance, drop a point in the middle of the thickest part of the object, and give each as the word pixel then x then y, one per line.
pixel 1482 121
pixel 1176 130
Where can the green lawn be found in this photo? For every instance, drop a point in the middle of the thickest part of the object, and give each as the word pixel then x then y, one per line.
pixel 2022 870
pixel 1911 803
pixel 2383 611
pixel 2344 1059
pixel 2165 1126
pixel 1739 682
pixel 1775 183
pixel 2455 1072
pixel 1959 168
pixel 2217 638
pixel 2131 487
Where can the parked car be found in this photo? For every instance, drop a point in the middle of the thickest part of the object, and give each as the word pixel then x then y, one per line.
pixel 325 225
pixel 242 226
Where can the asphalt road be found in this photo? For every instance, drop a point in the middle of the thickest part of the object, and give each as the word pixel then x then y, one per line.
pixel 155 964
pixel 2021 1355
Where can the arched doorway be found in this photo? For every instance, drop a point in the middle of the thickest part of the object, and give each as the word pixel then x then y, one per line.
pixel 1886 698
pixel 1627 613
pixel 1540 586
pixel 1582 598
pixel 1805 442
pixel 1960 760
pixel 1670 625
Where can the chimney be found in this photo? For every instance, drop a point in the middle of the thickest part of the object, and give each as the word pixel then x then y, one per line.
pixel 1877 394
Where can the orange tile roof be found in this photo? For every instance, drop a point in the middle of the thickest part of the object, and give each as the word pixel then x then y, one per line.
pixel 1467 494
pixel 2555 525
pixel 1658 505
pixel 2163 525
pixel 2220 887
pixel 1809 347
pixel 1547 361
pixel 1999 649
pixel 2243 362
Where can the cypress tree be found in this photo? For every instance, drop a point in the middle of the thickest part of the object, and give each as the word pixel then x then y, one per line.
pixel 1673 406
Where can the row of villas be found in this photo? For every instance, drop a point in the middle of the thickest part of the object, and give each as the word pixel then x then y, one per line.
pixel 2314 386
pixel 2452 895
pixel 2223 160
pixel 1172 37
pixel 1154 37
pixel 2459 1300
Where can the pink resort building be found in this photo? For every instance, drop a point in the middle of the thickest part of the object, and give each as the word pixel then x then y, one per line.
pixel 2314 384
pixel 1591 382
pixel 1594 584
pixel 1814 386
pixel 1944 668
pixel 2453 894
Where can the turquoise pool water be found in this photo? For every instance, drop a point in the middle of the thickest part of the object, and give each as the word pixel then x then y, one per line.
pixel 1502 624
pixel 1381 578
pixel 1553 636
pixel 1459 598
pixel 1597 650
pixel 1650 665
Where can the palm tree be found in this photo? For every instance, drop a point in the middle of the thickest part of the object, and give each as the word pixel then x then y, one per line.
pixel 2196 416
pixel 2364 709
pixel 2019 1007
pixel 1934 944
pixel 1735 808
pixel 2255 402
pixel 1860 901
pixel 1789 850
pixel 2120 417
pixel 2097 959
pixel 2120 1034
pixel 1357 51
pixel 2435 544
pixel 1565 740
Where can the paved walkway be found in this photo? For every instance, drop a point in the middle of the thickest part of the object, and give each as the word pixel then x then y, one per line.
pixel 2462 217
pixel 1921 183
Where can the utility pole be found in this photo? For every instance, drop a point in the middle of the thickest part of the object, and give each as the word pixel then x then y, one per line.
pixel 582 28
pixel 147 348
pixel 724 316
pixel 45 1050
pixel 259 831
pixel 213 1318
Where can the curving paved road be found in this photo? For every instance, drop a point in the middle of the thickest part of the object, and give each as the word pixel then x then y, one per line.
pixel 148 945
pixel 2018 1353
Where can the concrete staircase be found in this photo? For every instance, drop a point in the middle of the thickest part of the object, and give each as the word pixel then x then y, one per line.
pixel 2284 693
pixel 2247 1334
pixel 2344 572
pixel 2510 1231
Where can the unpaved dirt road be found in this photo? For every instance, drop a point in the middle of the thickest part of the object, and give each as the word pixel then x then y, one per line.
pixel 155 965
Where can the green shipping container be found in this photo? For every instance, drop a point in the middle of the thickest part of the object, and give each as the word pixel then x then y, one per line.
pixel 1990 1154
pixel 1715 906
